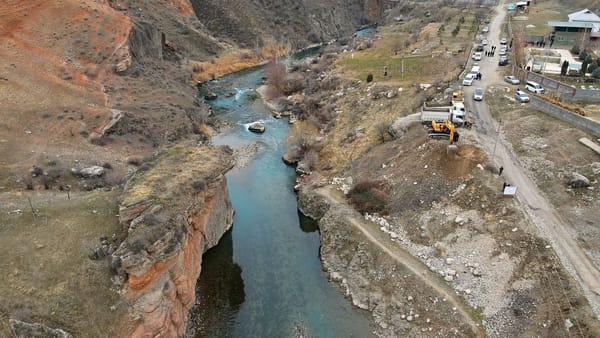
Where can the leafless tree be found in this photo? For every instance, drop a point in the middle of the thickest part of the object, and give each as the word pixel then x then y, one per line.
pixel 276 79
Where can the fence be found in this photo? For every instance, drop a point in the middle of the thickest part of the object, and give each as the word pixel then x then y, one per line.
pixel 586 124
pixel 565 92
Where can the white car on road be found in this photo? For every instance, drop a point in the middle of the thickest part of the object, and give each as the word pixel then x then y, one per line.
pixel 478 94
pixel 503 41
pixel 512 79
pixel 476 56
pixel 468 80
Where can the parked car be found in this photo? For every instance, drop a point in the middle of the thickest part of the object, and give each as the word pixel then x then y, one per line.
pixel 502 52
pixel 485 29
pixel 503 41
pixel 521 96
pixel 468 80
pixel 479 48
pixel 478 94
pixel 512 79
pixel 476 56
pixel 484 42
pixel 534 87
pixel 503 61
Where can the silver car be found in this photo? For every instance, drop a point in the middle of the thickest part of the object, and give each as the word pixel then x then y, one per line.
pixel 521 96
pixel 512 79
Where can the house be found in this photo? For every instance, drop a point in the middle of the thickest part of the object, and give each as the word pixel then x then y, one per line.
pixel 583 24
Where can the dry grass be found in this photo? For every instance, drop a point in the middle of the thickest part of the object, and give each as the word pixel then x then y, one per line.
pixel 429 56
pixel 235 61
pixel 46 274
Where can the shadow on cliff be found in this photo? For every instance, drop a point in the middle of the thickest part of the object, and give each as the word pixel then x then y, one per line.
pixel 219 292
pixel 307 224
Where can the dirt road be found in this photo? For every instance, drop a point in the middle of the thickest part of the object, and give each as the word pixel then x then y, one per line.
pixel 540 210
pixel 431 279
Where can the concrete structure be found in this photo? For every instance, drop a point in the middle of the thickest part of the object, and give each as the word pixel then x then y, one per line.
pixel 581 122
pixel 582 24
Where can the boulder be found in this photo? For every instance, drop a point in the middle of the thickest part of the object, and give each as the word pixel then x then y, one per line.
pixel 209 96
pixel 91 172
pixel 578 181
pixel 596 168
pixel 257 127
pixel 36 330
pixel 303 168
pixel 290 157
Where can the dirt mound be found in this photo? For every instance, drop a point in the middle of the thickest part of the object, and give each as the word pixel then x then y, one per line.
pixel 460 164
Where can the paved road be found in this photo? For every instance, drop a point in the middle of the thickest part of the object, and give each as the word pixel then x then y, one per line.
pixel 540 210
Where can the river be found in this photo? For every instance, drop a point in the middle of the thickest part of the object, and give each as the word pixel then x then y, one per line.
pixel 264 278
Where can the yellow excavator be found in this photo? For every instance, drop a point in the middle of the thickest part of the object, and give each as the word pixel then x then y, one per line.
pixel 444 129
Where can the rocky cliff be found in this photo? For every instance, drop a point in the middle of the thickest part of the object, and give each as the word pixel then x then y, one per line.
pixel 174 212
pixel 251 23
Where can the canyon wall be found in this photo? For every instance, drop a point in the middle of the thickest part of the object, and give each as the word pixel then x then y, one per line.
pixel 174 212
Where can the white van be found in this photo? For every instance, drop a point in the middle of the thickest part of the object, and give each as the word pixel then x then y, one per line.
pixel 534 87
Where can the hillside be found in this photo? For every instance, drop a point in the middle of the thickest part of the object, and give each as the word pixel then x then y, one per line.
pixel 91 92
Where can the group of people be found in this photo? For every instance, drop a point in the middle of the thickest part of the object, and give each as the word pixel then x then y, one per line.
pixel 491 52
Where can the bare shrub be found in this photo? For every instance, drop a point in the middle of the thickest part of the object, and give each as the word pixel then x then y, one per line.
pixel 134 160
pixel 368 196
pixel 311 159
pixel 276 79
pixel 28 182
pixel 294 85
pixel 303 142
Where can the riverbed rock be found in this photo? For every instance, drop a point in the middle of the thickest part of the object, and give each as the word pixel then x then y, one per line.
pixel 291 157
pixel 257 127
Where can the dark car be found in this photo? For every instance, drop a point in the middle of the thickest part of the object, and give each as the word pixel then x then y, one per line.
pixel 479 48
pixel 503 61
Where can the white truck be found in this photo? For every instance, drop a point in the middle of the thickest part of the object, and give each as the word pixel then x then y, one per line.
pixel 456 113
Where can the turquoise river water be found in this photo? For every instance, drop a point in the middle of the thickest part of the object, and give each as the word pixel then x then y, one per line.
pixel 264 278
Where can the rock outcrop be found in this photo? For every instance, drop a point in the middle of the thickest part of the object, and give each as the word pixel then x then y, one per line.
pixel 401 304
pixel 28 330
pixel 174 212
